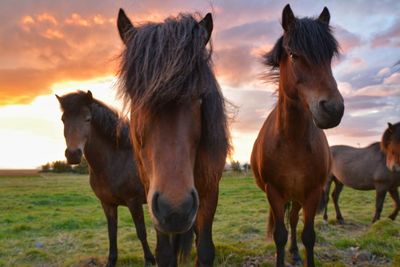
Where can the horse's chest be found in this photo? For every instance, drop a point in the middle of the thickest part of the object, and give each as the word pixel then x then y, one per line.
pixel 295 172
pixel 106 191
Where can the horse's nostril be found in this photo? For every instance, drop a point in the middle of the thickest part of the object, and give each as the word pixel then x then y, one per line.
pixel 154 203
pixel 323 105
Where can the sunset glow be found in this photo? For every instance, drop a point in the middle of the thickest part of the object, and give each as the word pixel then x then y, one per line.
pixel 50 48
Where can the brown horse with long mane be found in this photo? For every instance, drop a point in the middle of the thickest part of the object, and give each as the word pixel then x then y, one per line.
pixel 96 131
pixel 291 157
pixel 178 128
pixel 375 167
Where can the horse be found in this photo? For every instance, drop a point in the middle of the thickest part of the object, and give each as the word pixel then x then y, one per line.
pixel 375 167
pixel 178 127
pixel 291 157
pixel 94 130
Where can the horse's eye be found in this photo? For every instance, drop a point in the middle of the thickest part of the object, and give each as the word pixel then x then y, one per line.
pixel 293 56
pixel 88 119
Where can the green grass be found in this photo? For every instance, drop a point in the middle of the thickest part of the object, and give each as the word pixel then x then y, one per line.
pixel 56 220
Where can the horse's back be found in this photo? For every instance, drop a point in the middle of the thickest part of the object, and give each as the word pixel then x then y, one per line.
pixel 358 168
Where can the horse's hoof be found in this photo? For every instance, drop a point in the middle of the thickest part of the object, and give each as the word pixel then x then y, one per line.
pixel 296 260
pixel 150 262
pixel 341 221
pixel 392 217
pixel 111 264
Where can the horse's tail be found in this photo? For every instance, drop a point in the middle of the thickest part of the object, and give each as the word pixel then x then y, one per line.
pixel 323 202
pixel 271 221
pixel 271 224
pixel 183 245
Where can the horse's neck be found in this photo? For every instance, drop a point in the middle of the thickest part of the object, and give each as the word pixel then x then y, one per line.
pixel 293 117
pixel 97 151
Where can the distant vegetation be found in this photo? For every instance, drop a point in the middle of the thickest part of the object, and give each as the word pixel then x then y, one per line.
pixel 237 167
pixel 61 166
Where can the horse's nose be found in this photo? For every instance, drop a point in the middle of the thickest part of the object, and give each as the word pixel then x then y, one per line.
pixel 73 155
pixel 332 112
pixel 334 109
pixel 176 218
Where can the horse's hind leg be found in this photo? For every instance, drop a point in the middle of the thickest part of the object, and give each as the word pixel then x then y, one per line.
pixel 111 213
pixel 308 236
pixel 335 197
pixel 294 219
pixel 395 196
pixel 203 228
pixel 136 210
pixel 277 204
pixel 325 201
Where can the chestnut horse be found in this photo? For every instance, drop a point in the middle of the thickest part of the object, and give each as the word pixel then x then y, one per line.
pixel 376 167
pixel 291 157
pixel 93 129
pixel 178 128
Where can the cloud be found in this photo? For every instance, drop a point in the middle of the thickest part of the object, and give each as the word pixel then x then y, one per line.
pixel 43 49
pixel 389 37
pixel 346 39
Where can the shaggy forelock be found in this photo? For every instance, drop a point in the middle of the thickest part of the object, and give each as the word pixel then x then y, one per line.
pixel 166 62
pixel 307 37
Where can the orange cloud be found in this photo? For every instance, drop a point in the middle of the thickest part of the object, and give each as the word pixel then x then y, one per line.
pixel 45 17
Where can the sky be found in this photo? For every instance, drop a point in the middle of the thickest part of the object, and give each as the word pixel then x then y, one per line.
pixel 54 47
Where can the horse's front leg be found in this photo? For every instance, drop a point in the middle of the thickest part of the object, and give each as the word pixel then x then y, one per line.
pixel 277 204
pixel 380 198
pixel 395 196
pixel 136 209
pixel 203 228
pixel 111 213
pixel 310 207
pixel 294 219
pixel 165 252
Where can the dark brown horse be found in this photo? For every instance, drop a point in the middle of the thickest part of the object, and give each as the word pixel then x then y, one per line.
pixel 178 128
pixel 291 157
pixel 375 167
pixel 93 129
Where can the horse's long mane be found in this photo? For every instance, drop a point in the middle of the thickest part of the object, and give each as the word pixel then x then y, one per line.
pixel 309 38
pixel 105 119
pixel 389 135
pixel 169 63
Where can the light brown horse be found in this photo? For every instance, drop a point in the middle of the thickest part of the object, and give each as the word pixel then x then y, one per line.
pixel 93 129
pixel 291 157
pixel 178 128
pixel 375 167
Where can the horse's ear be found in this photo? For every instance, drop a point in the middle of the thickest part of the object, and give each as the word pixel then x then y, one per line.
pixel 325 16
pixel 89 96
pixel 125 26
pixel 390 127
pixel 58 98
pixel 207 23
pixel 288 17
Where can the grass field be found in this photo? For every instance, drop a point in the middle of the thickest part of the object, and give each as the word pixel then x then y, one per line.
pixel 55 220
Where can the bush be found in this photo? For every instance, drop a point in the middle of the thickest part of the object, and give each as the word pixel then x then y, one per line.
pixel 46 167
pixel 235 166
pixel 82 168
pixel 61 166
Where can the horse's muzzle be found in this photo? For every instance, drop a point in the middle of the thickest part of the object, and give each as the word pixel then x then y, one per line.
pixel 172 219
pixel 329 114
pixel 73 156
